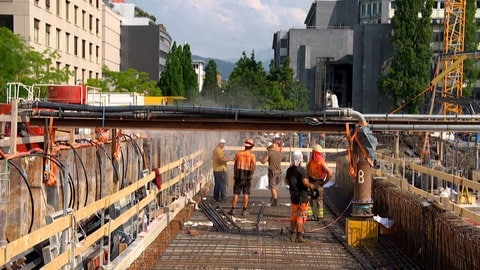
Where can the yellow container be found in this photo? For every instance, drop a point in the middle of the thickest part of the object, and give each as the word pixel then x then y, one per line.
pixel 361 231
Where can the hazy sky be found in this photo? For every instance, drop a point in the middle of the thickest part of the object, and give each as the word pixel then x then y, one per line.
pixel 224 28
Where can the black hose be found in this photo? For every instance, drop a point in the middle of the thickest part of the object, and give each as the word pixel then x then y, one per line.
pixel 84 172
pixel 99 158
pixel 60 165
pixel 24 177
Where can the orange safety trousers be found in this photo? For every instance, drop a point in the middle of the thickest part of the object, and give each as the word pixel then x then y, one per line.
pixel 299 213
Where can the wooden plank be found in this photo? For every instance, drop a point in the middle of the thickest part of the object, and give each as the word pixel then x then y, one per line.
pixel 20 245
pixel 440 175
pixel 462 211
pixel 23 243
pixel 285 149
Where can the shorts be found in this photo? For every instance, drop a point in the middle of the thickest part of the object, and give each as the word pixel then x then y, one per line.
pixel 242 186
pixel 274 179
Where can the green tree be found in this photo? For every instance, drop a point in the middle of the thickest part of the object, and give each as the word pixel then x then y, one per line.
pixel 293 94
pixel 21 63
pixel 210 89
pixel 408 72
pixel 190 82
pixel 247 84
pixel 171 80
pixel 470 68
pixel 130 80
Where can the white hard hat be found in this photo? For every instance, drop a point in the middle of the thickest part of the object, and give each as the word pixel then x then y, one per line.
pixel 222 141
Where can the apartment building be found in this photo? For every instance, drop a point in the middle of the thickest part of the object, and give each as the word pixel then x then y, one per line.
pixel 144 44
pixel 72 28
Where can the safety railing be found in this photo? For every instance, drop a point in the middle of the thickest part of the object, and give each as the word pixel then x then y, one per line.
pixel 446 203
pixel 69 222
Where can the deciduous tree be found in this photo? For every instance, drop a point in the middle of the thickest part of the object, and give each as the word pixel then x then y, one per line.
pixel 408 72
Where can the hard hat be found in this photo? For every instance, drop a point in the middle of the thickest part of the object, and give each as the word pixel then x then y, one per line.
pixel 248 143
pixel 317 148
pixel 297 157
pixel 222 141
pixel 269 144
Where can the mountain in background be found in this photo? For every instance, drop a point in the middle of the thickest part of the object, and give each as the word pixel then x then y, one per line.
pixel 225 67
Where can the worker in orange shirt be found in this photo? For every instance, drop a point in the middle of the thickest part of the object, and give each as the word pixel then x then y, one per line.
pixel 243 170
pixel 318 174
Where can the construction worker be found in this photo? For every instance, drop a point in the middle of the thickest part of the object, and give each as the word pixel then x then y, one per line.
pixel 220 172
pixel 297 180
pixel 318 174
pixel 274 158
pixel 243 170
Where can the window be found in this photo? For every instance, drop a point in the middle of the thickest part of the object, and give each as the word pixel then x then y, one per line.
pixel 283 43
pixel 75 74
pixel 57 3
pixel 97 26
pixel 67 42
pixel 36 29
pixel 75 46
pixel 67 10
pixel 47 4
pixel 90 51
pixel 47 34
pixel 83 19
pixel 83 48
pixel 75 15
pixel 6 21
pixel 90 23
pixel 58 39
pixel 58 65
pixel 97 49
pixel 392 5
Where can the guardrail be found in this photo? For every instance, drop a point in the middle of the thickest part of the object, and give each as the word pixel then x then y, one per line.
pixel 443 202
pixel 68 222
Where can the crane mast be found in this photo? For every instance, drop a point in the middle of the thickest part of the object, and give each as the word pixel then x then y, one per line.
pixel 453 44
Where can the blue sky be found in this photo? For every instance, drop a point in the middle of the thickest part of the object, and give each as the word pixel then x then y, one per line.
pixel 224 28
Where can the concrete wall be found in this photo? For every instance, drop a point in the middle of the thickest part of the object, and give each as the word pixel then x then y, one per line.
pixel 372 49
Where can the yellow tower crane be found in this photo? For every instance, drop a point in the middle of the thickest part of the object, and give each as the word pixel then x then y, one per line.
pixel 453 46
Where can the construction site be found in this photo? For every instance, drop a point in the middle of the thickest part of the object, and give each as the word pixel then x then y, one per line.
pixel 90 185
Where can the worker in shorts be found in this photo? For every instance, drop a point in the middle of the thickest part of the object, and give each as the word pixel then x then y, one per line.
pixel 243 170
pixel 274 159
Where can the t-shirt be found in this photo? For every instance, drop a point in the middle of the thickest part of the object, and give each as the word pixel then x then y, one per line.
pixel 275 161
pixel 298 191
pixel 315 169
pixel 219 165
pixel 244 166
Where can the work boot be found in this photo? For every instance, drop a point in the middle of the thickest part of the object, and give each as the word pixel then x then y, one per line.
pixel 320 213
pixel 300 238
pixel 293 236
pixel 230 212
pixel 244 212
pixel 275 203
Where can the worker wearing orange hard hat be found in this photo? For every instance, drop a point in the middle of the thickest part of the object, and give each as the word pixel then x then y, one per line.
pixel 243 170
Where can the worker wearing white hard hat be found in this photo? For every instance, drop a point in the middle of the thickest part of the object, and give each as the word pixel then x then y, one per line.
pixel 220 172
